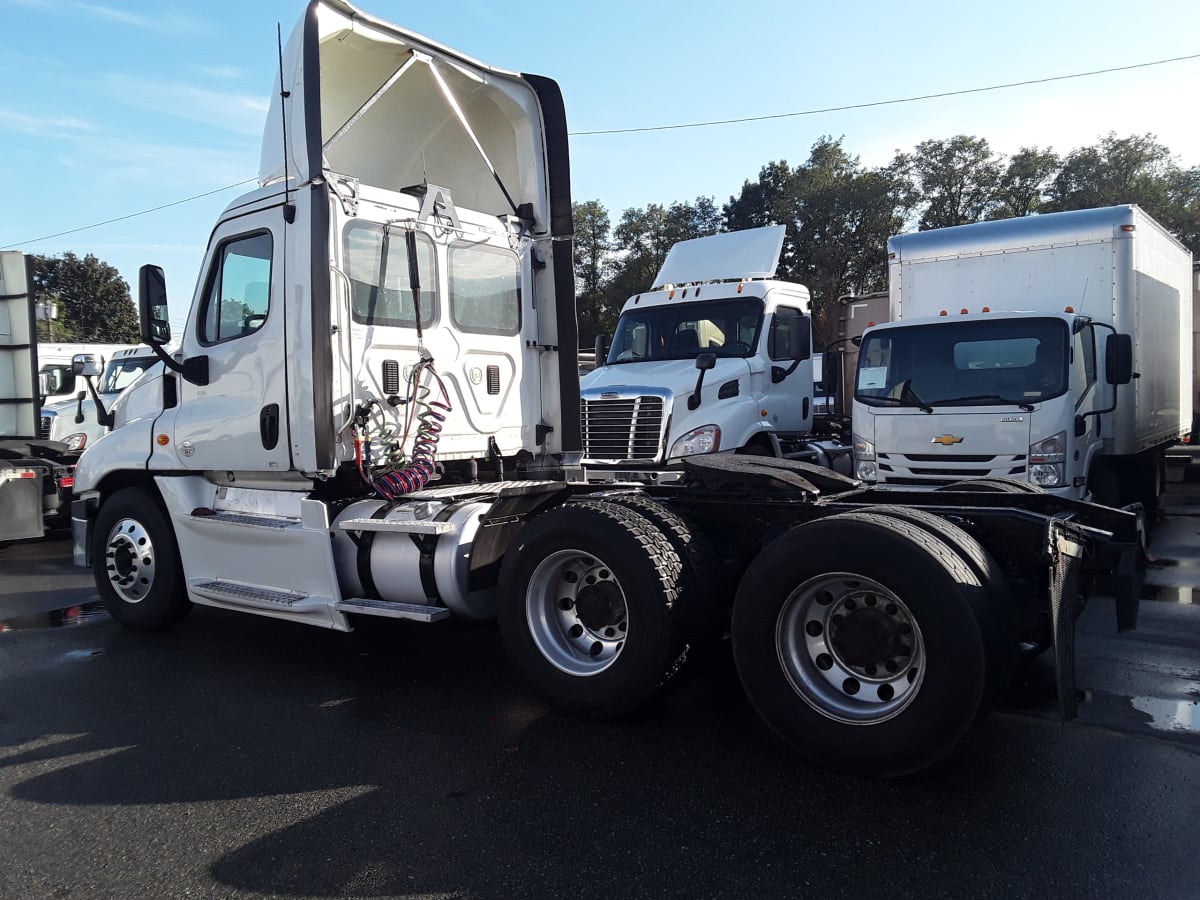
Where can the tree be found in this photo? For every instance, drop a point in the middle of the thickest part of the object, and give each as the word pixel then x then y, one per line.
pixel 592 266
pixel 957 177
pixel 645 236
pixel 93 300
pixel 1182 215
pixel 838 217
pixel 1022 187
pixel 1134 169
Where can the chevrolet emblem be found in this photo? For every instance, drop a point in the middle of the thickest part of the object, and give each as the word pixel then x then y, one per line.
pixel 946 440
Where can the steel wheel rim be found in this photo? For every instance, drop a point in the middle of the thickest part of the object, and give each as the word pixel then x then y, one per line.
pixel 577 612
pixel 850 648
pixel 129 560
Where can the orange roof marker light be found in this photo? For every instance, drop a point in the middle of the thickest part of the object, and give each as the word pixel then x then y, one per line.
pixel 1069 309
pixel 986 309
pixel 963 311
pixel 741 287
pixel 943 313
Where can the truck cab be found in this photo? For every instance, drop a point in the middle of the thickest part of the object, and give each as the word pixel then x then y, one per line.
pixel 76 421
pixel 980 396
pixel 716 358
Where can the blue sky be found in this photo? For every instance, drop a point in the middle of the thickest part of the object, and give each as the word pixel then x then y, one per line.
pixel 114 107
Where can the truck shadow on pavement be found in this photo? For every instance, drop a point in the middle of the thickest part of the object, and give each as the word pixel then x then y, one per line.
pixel 405 760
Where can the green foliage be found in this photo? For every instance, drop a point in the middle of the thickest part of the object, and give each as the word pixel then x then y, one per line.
pixel 957 178
pixel 93 300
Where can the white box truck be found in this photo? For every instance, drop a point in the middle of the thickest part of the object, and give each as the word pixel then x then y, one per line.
pixel 1053 350
pixel 715 358
pixel 35 474
pixel 374 411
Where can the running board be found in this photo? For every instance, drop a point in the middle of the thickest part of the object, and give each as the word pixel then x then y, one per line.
pixel 258 597
pixel 400 526
pixel 414 611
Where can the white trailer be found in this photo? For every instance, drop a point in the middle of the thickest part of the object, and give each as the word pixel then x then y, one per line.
pixel 374 411
pixel 1055 350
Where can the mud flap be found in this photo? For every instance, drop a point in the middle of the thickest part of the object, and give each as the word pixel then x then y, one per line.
pixel 1065 546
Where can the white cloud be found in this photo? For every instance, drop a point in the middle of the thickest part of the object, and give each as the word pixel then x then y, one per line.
pixel 230 111
pixel 43 126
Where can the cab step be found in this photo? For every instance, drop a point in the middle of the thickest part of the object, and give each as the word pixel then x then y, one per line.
pixel 398 526
pixel 259 597
pixel 414 611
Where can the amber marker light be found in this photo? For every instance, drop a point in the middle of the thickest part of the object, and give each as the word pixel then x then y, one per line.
pixel 162 440
pixel 986 309
pixel 1069 309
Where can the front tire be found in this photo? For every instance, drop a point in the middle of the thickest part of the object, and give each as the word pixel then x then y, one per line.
pixel 135 562
pixel 856 641
pixel 589 608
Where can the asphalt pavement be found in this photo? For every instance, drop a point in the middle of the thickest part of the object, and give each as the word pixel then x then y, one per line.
pixel 236 756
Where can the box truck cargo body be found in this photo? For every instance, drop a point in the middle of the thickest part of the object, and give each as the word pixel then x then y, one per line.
pixel 1053 349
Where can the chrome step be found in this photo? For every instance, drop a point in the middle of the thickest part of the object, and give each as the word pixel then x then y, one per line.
pixel 251 520
pixel 414 611
pixel 251 595
pixel 400 526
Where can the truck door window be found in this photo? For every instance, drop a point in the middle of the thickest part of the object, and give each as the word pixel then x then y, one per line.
pixel 779 338
pixel 389 302
pixel 121 373
pixel 238 295
pixel 485 289
pixel 62 380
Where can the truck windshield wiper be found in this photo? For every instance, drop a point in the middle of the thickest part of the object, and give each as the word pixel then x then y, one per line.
pixel 950 401
pixel 907 397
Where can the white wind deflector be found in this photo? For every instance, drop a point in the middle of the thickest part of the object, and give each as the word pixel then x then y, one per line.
pixel 753 253
pixel 396 110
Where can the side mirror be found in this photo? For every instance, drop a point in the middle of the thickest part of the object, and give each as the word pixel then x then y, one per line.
pixel 601 349
pixel 152 306
pixel 45 384
pixel 85 364
pixel 801 343
pixel 1118 359
pixel 706 361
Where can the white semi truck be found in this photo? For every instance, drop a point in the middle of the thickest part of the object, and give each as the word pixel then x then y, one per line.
pixel 1054 350
pixel 716 358
pixel 374 411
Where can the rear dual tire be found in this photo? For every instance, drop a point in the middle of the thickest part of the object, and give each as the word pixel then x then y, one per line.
pixel 858 642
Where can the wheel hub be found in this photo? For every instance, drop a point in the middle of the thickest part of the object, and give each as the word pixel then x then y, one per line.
pixel 865 637
pixel 850 648
pixel 577 612
pixel 600 606
pixel 130 560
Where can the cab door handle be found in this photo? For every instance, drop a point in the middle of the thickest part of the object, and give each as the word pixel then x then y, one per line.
pixel 268 426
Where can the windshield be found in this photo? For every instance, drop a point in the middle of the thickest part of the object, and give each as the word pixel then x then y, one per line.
pixel 1001 362
pixel 683 330
pixel 121 373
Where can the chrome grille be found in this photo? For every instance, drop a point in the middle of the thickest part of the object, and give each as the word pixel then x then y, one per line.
pixel 629 429
pixel 915 469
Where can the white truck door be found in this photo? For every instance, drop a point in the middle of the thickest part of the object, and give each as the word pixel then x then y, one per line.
pixel 238 421
pixel 785 401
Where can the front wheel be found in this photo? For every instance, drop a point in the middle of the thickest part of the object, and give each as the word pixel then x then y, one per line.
pixel 589 608
pixel 135 562
pixel 856 641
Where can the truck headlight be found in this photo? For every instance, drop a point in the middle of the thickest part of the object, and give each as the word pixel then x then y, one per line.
pixel 76 441
pixel 705 439
pixel 1046 459
pixel 864 459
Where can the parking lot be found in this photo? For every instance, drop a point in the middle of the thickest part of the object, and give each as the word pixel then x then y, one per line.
pixel 238 757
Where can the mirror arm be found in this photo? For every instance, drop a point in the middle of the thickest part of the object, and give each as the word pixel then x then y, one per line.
pixel 194 370
pixel 103 416
pixel 779 373
pixel 694 400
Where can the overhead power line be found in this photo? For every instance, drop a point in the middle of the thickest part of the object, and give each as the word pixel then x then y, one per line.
pixel 132 215
pixel 829 109
pixel 738 121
